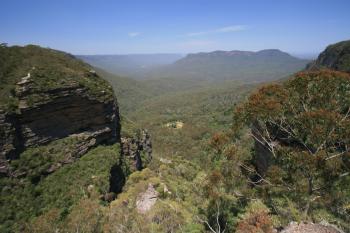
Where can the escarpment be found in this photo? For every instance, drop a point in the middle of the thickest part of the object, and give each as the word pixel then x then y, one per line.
pixel 69 111
pixel 51 95
pixel 59 136
pixel 336 56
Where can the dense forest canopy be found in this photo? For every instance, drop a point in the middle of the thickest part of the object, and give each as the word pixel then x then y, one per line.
pixel 301 161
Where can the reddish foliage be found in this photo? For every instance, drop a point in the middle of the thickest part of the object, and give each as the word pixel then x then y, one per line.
pixel 215 177
pixel 218 141
pixel 259 222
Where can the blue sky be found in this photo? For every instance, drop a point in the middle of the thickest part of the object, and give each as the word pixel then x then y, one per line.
pixel 175 26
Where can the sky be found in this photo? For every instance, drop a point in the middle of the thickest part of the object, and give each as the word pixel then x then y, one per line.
pixel 175 26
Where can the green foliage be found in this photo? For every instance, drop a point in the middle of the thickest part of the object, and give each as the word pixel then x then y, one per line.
pixel 203 179
pixel 49 69
pixel 222 213
pixel 180 156
pixel 57 193
pixel 255 219
pixel 304 126
pixel 175 209
pixel 85 216
pixel 167 217
pixel 70 183
pixel 34 162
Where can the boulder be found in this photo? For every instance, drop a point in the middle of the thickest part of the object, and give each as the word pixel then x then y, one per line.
pixel 147 200
pixel 294 227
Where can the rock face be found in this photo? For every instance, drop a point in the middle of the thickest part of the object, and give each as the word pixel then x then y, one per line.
pixel 70 111
pixel 310 228
pixel 336 56
pixel 50 108
pixel 146 200
pixel 133 148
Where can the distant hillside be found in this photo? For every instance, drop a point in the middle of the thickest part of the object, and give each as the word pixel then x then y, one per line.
pixel 131 93
pixel 336 56
pixel 233 65
pixel 132 65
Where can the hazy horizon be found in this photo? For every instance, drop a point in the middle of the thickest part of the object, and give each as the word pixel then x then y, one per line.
pixel 298 55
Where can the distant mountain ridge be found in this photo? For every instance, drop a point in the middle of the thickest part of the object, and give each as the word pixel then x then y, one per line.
pixel 264 65
pixel 249 66
pixel 130 64
pixel 239 53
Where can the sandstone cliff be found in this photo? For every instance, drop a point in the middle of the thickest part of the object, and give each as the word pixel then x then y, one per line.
pixel 55 112
pixel 50 95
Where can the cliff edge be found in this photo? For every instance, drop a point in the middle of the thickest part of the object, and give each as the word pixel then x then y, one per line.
pixel 48 95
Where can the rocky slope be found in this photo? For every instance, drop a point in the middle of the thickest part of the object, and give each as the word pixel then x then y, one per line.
pixel 335 56
pixel 50 95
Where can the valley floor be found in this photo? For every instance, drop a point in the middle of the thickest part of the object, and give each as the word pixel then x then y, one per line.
pixel 181 123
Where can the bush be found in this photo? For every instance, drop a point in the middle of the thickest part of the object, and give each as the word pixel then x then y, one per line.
pixel 48 197
pixel 256 219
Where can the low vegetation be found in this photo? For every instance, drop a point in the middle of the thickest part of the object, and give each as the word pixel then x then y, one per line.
pixel 47 69
pixel 301 134
pixel 301 125
pixel 51 199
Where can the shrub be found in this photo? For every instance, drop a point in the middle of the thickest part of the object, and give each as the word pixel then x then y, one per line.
pixel 304 127
pixel 256 219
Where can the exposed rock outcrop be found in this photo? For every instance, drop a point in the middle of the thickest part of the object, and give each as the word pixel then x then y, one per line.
pixel 336 57
pixel 50 106
pixel 138 149
pixel 70 111
pixel 147 199
pixel 294 227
